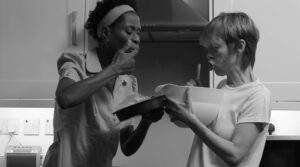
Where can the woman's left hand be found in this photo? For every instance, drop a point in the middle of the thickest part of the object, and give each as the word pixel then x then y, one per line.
pixel 180 112
pixel 153 116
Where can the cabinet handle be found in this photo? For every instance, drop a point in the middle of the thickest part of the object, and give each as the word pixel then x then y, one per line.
pixel 74 15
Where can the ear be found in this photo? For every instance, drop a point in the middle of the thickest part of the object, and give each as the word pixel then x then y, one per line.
pixel 241 45
pixel 104 33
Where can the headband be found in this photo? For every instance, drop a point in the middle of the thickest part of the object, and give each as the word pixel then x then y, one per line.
pixel 112 15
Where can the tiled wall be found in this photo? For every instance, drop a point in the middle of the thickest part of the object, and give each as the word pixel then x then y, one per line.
pixel 165 144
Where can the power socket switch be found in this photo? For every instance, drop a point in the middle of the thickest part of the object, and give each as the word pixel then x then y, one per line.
pixel 31 126
pixel 9 126
pixel 49 126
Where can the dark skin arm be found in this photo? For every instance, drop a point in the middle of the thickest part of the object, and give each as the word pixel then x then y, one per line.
pixel 131 139
pixel 70 93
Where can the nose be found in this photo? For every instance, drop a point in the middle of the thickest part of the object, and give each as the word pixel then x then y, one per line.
pixel 209 56
pixel 136 39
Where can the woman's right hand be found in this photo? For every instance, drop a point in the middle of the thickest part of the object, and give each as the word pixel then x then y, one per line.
pixel 123 61
pixel 194 82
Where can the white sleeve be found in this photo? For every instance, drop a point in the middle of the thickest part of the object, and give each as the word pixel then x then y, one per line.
pixel 70 66
pixel 256 108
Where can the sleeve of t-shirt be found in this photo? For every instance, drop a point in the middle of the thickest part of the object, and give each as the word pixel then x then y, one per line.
pixel 256 108
pixel 70 66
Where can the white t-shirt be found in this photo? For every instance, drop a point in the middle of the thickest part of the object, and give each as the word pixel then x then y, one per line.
pixel 247 103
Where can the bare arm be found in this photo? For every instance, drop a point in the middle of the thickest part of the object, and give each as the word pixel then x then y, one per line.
pixel 70 93
pixel 131 139
pixel 231 151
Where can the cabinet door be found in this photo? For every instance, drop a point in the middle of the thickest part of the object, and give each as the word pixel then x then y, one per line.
pixel 33 34
pixel 277 56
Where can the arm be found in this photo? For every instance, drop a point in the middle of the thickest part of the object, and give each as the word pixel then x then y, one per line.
pixel 131 139
pixel 70 93
pixel 232 151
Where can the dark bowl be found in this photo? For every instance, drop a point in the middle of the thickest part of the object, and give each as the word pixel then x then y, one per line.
pixel 155 103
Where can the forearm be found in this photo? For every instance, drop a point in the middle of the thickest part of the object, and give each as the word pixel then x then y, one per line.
pixel 78 92
pixel 131 141
pixel 225 149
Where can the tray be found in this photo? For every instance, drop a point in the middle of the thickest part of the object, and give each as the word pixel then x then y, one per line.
pixel 143 107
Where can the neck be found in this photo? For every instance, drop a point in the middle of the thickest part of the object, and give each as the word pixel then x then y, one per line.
pixel 239 77
pixel 105 54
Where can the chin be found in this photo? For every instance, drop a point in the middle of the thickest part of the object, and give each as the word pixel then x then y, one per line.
pixel 219 73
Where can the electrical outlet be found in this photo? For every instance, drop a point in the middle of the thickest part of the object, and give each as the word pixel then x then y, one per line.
pixel 49 126
pixel 31 126
pixel 9 126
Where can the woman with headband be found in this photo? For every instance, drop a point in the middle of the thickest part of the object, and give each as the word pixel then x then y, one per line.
pixel 86 133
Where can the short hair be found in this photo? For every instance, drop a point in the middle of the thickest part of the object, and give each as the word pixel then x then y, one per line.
pixel 232 27
pixel 101 9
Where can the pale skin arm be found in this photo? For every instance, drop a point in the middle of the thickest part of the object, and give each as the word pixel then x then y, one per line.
pixel 231 151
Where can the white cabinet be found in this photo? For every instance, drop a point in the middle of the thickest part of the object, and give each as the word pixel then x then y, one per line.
pixel 33 34
pixel 278 53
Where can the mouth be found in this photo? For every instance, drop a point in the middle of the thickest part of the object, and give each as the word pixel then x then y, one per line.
pixel 131 49
pixel 210 67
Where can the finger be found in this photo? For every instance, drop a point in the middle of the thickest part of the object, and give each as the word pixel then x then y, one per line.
pixel 198 72
pixel 124 124
pixel 191 82
pixel 126 46
pixel 188 101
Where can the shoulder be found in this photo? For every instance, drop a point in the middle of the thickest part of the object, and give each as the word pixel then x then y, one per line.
pixel 260 90
pixel 77 59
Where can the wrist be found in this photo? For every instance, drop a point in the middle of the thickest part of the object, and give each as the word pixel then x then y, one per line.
pixel 146 121
pixel 114 70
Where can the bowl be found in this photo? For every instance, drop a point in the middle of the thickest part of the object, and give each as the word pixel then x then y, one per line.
pixel 206 102
pixel 149 105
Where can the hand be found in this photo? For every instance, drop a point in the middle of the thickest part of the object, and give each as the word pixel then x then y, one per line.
pixel 194 82
pixel 153 116
pixel 123 60
pixel 180 112
pixel 123 124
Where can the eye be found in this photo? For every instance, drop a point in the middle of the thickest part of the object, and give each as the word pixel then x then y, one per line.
pixel 129 32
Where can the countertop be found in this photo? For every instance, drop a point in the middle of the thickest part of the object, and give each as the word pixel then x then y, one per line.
pixel 283 137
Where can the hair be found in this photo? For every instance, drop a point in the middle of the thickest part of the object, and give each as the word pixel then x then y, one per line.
pixel 101 9
pixel 232 27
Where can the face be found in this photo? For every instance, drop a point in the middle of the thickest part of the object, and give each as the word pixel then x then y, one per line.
pixel 220 55
pixel 128 28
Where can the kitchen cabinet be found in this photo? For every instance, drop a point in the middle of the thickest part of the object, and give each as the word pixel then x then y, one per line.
pixel 281 151
pixel 277 56
pixel 33 34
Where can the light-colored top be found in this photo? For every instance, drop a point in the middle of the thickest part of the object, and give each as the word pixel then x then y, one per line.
pixel 247 103
pixel 84 132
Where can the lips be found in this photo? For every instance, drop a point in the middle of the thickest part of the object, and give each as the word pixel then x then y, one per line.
pixel 129 50
pixel 210 67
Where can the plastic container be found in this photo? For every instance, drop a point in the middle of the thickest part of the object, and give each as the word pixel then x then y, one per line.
pixel 205 101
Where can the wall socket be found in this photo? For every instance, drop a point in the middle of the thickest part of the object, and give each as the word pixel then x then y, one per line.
pixel 31 126
pixel 9 126
pixel 49 126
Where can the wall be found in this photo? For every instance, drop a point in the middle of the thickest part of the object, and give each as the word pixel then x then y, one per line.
pixel 160 63
pixel 165 144
pixel 21 114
